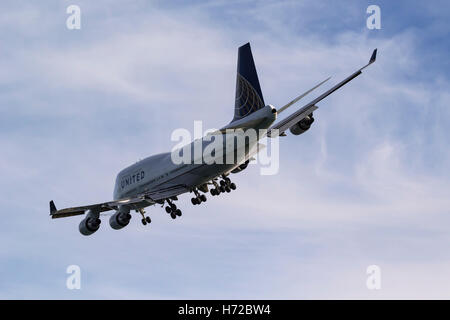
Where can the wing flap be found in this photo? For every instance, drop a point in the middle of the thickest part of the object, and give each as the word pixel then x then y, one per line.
pixel 165 193
pixel 280 128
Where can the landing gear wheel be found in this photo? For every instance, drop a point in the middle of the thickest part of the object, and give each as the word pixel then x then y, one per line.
pixel 227 189
pixel 148 220
pixel 194 201
pixel 178 212
pixel 203 198
pixel 173 206
pixel 213 192
pixel 222 189
pixel 168 210
pixel 173 215
pixel 222 183
pixel 227 180
pixel 233 186
pixel 143 221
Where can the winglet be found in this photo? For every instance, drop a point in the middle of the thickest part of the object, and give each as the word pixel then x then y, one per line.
pixel 52 208
pixel 373 58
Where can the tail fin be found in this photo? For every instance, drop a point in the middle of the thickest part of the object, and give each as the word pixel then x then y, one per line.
pixel 52 207
pixel 249 97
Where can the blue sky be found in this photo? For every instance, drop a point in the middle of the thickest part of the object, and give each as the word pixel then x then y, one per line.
pixel 368 184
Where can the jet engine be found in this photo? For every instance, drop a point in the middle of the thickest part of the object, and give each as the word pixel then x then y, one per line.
pixel 241 167
pixel 119 220
pixel 302 126
pixel 90 224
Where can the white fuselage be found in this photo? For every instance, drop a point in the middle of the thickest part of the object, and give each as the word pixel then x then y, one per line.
pixel 160 171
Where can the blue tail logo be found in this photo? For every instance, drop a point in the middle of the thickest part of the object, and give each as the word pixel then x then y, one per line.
pixel 249 97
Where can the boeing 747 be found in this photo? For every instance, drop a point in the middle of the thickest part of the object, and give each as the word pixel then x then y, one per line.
pixel 159 179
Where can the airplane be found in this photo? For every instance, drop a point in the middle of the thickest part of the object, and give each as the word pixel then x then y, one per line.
pixel 159 180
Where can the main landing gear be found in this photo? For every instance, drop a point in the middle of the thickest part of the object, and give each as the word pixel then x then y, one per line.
pixel 145 219
pixel 172 209
pixel 225 186
pixel 199 198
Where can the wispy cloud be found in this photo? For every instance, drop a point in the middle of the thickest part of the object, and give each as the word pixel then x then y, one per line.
pixel 368 184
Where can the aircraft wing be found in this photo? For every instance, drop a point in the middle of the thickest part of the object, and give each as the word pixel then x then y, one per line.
pixel 100 207
pixel 288 122
pixel 165 193
pixel 150 197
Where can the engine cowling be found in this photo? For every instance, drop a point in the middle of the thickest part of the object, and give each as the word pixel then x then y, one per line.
pixel 119 220
pixel 89 225
pixel 241 167
pixel 302 126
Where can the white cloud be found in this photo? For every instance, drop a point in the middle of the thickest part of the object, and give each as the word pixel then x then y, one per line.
pixel 355 190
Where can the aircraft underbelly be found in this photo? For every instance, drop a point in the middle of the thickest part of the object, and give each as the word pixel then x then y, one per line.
pixel 198 175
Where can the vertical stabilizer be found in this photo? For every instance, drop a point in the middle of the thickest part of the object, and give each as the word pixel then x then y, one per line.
pixel 249 97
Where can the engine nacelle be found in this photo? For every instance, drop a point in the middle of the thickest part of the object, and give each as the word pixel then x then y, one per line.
pixel 119 220
pixel 90 224
pixel 241 167
pixel 302 126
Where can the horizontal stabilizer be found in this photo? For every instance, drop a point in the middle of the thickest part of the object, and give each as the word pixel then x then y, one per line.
pixel 302 96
